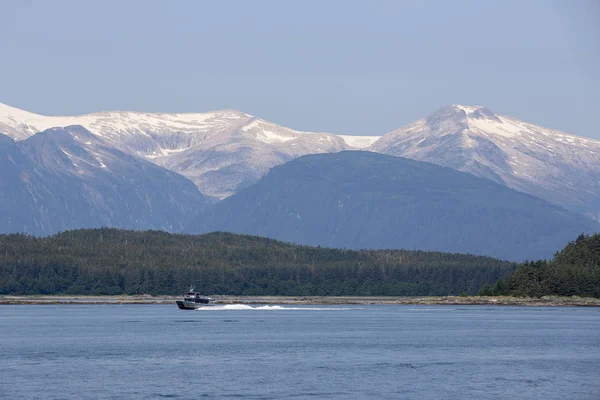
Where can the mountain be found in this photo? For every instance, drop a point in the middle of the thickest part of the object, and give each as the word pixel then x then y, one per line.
pixel 219 151
pixel 64 178
pixel 561 168
pixel 366 200
pixel 225 151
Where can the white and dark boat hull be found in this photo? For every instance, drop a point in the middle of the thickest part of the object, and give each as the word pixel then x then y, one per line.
pixel 188 305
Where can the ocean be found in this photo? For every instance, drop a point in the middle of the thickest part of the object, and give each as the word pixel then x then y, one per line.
pixel 299 352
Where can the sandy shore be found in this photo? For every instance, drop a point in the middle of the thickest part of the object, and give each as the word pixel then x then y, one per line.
pixel 553 301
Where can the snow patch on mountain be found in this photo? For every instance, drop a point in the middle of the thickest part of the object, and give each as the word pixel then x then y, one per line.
pixel 359 142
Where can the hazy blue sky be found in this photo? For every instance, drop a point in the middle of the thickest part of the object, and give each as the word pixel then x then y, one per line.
pixel 343 67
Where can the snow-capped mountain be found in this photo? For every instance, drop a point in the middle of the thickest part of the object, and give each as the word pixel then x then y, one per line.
pixel 219 151
pixel 226 150
pixel 561 168
pixel 68 178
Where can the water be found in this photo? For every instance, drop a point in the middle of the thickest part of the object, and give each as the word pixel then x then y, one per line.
pixel 281 352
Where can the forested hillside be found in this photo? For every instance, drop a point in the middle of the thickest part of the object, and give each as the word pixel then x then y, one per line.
pixel 112 261
pixel 574 271
pixel 364 200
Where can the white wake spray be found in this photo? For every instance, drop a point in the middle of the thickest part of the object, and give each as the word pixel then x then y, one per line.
pixel 240 307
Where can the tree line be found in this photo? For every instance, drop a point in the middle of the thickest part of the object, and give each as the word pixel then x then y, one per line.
pixel 574 271
pixel 113 261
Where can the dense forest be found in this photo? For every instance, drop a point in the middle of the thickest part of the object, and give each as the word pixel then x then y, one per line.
pixel 573 271
pixel 112 261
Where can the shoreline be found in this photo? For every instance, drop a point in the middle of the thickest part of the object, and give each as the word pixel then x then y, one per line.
pixel 547 301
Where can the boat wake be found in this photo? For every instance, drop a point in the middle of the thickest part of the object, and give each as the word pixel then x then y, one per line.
pixel 270 308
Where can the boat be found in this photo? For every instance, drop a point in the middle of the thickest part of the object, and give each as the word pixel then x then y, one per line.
pixel 192 301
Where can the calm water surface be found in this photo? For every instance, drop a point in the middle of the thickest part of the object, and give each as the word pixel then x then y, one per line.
pixel 367 352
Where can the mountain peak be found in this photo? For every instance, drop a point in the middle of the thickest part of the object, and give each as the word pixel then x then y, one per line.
pixel 478 112
pixel 448 120
pixel 457 118
pixel 71 132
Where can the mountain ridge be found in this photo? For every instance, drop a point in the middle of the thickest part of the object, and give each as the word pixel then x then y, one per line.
pixel 227 150
pixel 219 151
pixel 64 178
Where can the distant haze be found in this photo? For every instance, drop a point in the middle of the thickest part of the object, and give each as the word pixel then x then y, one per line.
pixel 356 68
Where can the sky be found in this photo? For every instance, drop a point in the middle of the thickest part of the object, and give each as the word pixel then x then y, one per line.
pixel 346 67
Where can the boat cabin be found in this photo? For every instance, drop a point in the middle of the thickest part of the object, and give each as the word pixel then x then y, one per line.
pixel 193 297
